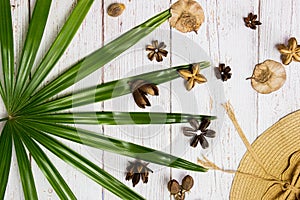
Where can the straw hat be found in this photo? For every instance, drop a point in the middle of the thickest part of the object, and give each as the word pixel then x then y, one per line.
pixel 270 169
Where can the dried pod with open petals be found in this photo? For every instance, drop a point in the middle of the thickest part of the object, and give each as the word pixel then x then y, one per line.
pixel 268 77
pixel 187 16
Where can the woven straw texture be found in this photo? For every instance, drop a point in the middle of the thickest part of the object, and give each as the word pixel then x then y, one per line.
pixel 278 148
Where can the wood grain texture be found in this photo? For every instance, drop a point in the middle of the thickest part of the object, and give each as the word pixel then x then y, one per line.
pixel 223 37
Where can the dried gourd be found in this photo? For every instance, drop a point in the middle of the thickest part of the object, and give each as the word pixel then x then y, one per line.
pixel 187 16
pixel 268 77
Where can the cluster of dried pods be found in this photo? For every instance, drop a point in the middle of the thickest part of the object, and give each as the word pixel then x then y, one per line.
pixel 178 191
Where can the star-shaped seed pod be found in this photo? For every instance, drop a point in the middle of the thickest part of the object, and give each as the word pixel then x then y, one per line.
pixel 157 51
pixel 139 90
pixel 291 52
pixel 192 76
pixel 268 77
pixel 187 16
pixel 224 72
pixel 204 132
pixel 137 170
pixel 251 21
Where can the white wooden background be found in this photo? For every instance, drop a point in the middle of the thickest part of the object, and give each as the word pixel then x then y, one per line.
pixel 224 37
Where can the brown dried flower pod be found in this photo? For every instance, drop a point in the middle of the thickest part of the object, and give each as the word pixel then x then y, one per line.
pixel 268 77
pixel 140 89
pixel 115 9
pixel 187 16
pixel 137 170
pixel 187 183
pixel 173 187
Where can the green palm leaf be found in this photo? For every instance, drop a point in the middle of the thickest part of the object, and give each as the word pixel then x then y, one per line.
pixel 113 145
pixel 94 61
pixel 7 52
pixel 82 164
pixel 58 47
pixel 24 168
pixel 5 158
pixel 32 43
pixel 118 118
pixel 105 91
pixel 51 173
pixel 34 115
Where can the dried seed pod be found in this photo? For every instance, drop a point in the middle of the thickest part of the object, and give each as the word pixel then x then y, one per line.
pixel 140 89
pixel 173 187
pixel 268 77
pixel 115 9
pixel 187 183
pixel 187 16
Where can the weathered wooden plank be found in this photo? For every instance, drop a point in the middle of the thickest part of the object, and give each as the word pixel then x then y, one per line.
pixel 135 61
pixel 87 39
pixel 280 24
pixel 227 40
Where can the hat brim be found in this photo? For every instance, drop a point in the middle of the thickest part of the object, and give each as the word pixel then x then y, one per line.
pixel 273 148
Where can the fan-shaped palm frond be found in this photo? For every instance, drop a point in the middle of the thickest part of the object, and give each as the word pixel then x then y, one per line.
pixel 34 116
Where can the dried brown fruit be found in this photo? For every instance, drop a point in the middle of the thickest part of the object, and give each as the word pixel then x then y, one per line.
pixel 268 77
pixel 187 183
pixel 173 187
pixel 157 51
pixel 251 21
pixel 187 16
pixel 137 170
pixel 192 76
pixel 115 9
pixel 204 132
pixel 290 52
pixel 224 72
pixel 140 89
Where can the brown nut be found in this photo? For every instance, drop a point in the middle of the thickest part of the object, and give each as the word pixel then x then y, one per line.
pixel 173 187
pixel 187 183
pixel 115 9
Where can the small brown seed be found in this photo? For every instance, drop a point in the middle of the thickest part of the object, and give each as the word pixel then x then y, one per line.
pixel 187 183
pixel 115 9
pixel 173 187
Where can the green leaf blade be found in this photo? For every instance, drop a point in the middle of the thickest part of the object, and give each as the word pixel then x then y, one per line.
pixel 7 50
pixel 105 91
pixel 27 180
pixel 96 60
pixel 51 173
pixel 5 158
pixel 58 47
pixel 113 145
pixel 32 43
pixel 118 118
pixel 85 166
